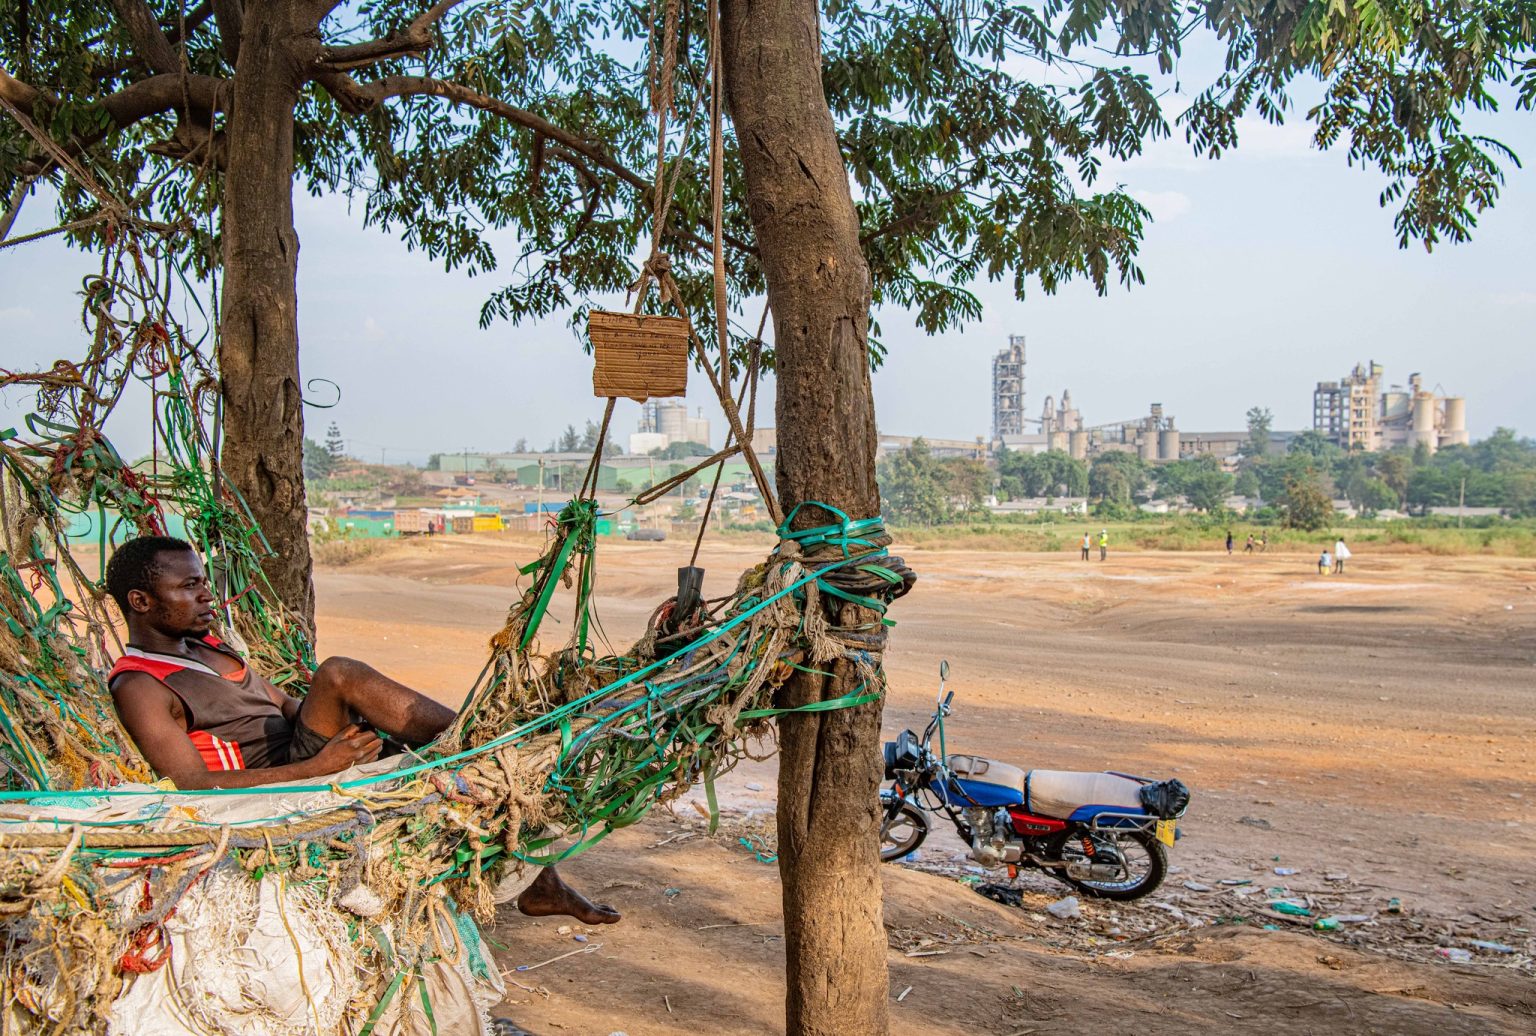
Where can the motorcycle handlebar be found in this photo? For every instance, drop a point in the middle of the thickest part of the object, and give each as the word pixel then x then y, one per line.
pixel 949 698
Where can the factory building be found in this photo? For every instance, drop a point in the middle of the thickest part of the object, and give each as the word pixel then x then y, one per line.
pixel 1008 390
pixel 666 421
pixel 1359 412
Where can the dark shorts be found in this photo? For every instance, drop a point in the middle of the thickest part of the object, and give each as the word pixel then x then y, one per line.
pixel 305 743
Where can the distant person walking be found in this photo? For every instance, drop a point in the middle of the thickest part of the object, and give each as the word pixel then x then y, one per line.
pixel 1340 555
pixel 1087 546
pixel 1229 542
pixel 1324 563
pixel 1103 544
pixel 1248 547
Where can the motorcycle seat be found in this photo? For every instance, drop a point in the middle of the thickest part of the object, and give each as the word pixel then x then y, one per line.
pixel 1061 793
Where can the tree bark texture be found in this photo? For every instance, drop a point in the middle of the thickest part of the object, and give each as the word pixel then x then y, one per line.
pixel 818 287
pixel 263 454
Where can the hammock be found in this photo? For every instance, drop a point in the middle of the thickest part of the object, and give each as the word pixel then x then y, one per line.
pixel 120 896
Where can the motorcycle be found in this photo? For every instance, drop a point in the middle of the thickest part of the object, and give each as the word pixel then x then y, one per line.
pixel 1106 834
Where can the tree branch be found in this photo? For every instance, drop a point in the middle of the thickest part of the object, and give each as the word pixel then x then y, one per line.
pixel 131 104
pixel 416 38
pixel 358 97
pixel 230 17
pixel 13 205
pixel 148 39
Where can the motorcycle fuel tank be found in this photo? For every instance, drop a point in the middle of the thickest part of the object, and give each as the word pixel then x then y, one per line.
pixel 983 782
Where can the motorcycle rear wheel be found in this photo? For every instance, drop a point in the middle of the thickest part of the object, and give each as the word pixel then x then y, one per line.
pixel 900 833
pixel 1146 859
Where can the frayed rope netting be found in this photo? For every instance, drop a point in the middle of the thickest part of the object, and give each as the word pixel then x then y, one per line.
pixel 112 886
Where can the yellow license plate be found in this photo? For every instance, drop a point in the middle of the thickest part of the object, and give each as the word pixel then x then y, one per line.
pixel 1165 831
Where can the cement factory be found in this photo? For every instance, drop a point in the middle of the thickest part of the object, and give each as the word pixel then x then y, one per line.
pixel 1357 412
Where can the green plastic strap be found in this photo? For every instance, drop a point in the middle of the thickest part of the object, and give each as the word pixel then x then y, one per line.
pixel 712 799
pixel 378 1011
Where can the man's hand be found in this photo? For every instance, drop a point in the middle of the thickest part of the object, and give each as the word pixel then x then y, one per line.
pixel 351 745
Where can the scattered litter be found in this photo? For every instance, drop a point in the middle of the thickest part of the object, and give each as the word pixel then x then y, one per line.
pixel 1455 954
pixel 926 953
pixel 1237 881
pixel 564 929
pixel 1351 918
pixel 1004 894
pixel 763 854
pixel 579 938
pixel 1326 924
pixel 1394 905
pixel 1289 907
pixel 1332 962
pixel 1258 822
pixel 569 953
pixel 1286 872
pixel 672 893
pixel 1170 908
pixel 668 1001
pixel 1492 947
pixel 754 786
pixel 1195 886
pixel 1336 876
pixel 1065 909
pixel 903 995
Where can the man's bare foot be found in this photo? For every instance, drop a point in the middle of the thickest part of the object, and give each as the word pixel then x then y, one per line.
pixel 550 895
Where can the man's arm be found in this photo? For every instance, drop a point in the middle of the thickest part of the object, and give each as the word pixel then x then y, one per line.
pixel 286 702
pixel 153 717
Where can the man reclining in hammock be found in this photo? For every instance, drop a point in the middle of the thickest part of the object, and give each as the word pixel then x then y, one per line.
pixel 205 719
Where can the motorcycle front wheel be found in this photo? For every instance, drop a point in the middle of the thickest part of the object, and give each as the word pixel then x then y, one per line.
pixel 1146 864
pixel 902 831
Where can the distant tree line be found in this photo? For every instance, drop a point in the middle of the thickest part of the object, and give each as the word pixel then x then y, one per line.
pixel 1295 488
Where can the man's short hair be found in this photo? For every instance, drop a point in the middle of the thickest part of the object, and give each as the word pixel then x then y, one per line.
pixel 135 565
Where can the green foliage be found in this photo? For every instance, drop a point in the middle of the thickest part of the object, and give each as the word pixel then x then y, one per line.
pixel 1116 477
pixel 974 155
pixel 681 451
pixel 318 462
pixel 335 445
pixel 918 488
pixel 1260 421
pixel 1049 474
pixel 1305 503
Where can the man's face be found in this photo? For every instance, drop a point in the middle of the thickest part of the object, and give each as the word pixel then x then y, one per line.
pixel 179 602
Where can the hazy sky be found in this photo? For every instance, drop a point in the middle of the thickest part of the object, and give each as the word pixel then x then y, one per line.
pixel 1266 272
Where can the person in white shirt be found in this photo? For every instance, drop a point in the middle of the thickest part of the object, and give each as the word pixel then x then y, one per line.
pixel 1087 545
pixel 1340 555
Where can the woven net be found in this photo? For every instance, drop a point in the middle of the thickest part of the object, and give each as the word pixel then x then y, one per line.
pixel 553 749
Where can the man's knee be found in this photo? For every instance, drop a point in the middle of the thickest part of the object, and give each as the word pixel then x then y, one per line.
pixel 339 674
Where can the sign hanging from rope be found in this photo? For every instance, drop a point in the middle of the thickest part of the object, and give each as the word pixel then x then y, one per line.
pixel 639 357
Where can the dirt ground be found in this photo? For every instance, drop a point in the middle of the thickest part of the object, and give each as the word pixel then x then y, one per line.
pixel 1372 732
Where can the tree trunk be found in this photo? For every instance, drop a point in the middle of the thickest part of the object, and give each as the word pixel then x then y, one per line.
pixel 818 286
pixel 263 454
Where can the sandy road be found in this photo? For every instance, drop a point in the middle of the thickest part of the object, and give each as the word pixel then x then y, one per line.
pixel 1378 724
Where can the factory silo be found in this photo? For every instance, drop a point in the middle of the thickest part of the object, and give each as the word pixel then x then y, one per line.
pixel 1423 429
pixel 1168 444
pixel 1148 445
pixel 1059 440
pixel 672 420
pixel 1454 433
pixel 1078 444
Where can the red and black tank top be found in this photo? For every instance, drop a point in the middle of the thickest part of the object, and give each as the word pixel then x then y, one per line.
pixel 232 720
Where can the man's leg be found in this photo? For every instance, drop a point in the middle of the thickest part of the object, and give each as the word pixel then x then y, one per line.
pixel 344 688
pixel 550 895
